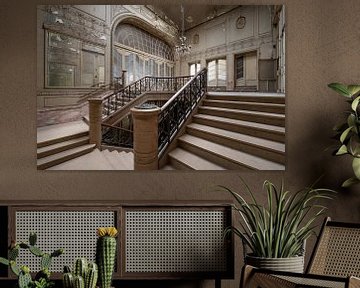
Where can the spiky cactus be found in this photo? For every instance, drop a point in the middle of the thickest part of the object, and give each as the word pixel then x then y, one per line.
pixel 85 275
pixel 106 254
pixel 42 278
pixel 80 267
pixel 91 275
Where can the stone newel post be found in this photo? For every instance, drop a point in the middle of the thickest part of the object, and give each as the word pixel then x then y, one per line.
pixel 145 121
pixel 95 117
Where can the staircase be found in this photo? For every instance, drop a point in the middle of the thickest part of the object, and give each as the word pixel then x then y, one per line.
pixel 234 131
pixel 66 147
pixel 99 160
pixel 61 149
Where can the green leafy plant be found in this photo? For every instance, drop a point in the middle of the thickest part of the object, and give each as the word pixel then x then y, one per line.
pixel 42 278
pixel 280 229
pixel 349 131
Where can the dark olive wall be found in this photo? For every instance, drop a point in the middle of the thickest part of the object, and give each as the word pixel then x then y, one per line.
pixel 323 46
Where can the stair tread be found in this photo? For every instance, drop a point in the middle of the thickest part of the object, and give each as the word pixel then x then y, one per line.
pixel 64 153
pixel 115 160
pixel 94 160
pixel 61 144
pixel 253 94
pixel 55 133
pixel 193 161
pixel 248 112
pixel 241 122
pixel 168 167
pixel 268 104
pixel 230 154
pixel 254 141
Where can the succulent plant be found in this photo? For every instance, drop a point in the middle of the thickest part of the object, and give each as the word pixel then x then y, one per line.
pixel 42 278
pixel 106 254
pixel 85 275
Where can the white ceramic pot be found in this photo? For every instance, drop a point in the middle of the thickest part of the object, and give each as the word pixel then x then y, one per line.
pixel 291 264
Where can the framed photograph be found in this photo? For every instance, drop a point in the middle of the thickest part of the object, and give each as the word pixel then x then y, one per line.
pixel 161 87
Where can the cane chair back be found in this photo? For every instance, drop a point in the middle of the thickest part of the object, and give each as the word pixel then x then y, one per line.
pixel 337 252
pixel 335 262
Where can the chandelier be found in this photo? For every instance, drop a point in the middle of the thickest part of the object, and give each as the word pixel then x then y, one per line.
pixel 182 48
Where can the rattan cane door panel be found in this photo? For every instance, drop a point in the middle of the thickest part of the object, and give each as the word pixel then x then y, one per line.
pixel 72 230
pixel 175 241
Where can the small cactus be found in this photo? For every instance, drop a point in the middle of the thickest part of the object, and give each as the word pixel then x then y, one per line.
pixel 42 278
pixel 13 253
pixel 45 261
pixel 68 280
pixel 79 282
pixel 36 251
pixel 32 239
pixel 106 254
pixel 80 268
pixel 83 274
pixel 91 276
pixel 24 280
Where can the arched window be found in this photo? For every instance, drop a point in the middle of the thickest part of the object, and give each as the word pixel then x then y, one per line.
pixel 140 53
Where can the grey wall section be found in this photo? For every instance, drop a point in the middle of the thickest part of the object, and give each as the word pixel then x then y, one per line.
pixel 323 41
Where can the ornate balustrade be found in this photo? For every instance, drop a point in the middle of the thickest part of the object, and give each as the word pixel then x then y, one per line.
pixel 113 102
pixel 176 110
pixel 116 136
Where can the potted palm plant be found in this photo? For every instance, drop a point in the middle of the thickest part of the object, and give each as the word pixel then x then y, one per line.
pixel 349 131
pixel 275 234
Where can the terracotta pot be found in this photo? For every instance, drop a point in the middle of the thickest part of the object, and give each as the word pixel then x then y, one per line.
pixel 291 264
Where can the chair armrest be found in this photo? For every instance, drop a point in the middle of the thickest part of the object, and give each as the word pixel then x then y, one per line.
pixel 253 278
pixel 354 282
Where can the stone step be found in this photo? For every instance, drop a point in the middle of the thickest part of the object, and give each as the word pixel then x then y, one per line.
pixel 63 156
pixel 115 160
pixel 61 146
pixel 252 116
pixel 271 132
pixel 181 159
pixel 94 160
pixel 168 167
pixel 252 106
pixel 52 134
pixel 277 98
pixel 224 156
pixel 268 149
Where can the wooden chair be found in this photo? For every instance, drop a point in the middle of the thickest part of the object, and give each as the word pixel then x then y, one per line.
pixel 335 262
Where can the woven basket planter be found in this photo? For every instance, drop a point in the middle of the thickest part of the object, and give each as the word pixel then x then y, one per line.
pixel 291 264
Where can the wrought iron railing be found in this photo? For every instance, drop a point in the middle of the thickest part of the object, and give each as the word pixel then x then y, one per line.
pixel 115 101
pixel 99 88
pixel 176 110
pixel 116 136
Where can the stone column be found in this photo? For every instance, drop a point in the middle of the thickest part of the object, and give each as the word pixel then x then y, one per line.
pixel 230 64
pixel 145 121
pixel 95 118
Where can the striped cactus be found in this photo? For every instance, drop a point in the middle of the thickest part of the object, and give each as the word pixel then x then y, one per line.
pixel 68 280
pixel 84 276
pixel 81 265
pixel 79 282
pixel 106 254
pixel 91 276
